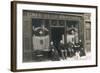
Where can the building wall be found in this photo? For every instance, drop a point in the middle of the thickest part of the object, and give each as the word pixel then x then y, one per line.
pixel 27 38
pixel 87 32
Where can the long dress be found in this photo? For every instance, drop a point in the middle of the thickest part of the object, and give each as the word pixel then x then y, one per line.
pixel 54 53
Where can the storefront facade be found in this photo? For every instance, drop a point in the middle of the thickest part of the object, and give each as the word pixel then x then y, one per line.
pixel 60 26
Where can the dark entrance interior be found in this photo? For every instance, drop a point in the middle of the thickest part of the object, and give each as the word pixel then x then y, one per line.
pixel 56 35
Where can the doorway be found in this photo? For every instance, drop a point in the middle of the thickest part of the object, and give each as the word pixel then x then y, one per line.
pixel 56 35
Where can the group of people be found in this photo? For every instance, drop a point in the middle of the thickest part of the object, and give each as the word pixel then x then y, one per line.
pixel 65 51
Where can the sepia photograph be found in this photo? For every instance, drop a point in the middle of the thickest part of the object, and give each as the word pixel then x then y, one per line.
pixel 49 36
pixel 56 36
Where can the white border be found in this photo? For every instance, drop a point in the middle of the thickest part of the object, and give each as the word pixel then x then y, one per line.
pixel 21 65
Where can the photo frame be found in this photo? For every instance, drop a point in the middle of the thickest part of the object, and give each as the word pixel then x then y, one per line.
pixel 46 36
